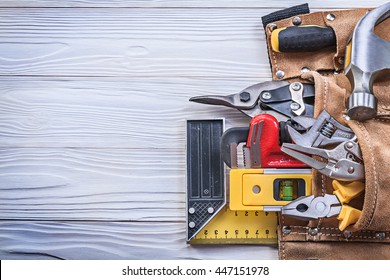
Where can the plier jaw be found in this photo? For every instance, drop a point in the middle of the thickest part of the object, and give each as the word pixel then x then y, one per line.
pixel 311 207
pixel 343 163
pixel 329 205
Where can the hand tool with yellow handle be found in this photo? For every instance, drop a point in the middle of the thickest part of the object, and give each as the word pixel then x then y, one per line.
pixel 305 38
pixel 345 192
pixel 315 207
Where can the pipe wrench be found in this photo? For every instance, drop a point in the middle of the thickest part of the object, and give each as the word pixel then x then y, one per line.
pixel 262 145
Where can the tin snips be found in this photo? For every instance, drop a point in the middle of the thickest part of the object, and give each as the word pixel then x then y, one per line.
pixel 278 98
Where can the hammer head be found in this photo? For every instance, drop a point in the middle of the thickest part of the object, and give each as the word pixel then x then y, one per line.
pixel 367 56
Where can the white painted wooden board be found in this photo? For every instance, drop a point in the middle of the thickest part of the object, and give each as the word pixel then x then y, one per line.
pixel 103 240
pixel 271 4
pixel 93 105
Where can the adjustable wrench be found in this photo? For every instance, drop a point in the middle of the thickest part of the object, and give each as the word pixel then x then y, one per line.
pixel 367 56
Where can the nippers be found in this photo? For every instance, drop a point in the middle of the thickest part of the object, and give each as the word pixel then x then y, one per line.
pixel 316 207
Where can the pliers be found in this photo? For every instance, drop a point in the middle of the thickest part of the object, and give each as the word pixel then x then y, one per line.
pixel 329 205
pixel 278 98
pixel 344 162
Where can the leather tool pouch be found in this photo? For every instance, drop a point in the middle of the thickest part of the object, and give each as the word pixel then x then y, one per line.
pixel 369 238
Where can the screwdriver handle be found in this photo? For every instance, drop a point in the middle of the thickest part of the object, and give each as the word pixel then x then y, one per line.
pixel 306 38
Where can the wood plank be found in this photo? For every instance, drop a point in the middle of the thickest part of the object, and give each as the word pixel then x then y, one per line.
pixel 82 240
pixel 314 4
pixel 92 184
pixel 103 113
pixel 133 42
pixel 128 42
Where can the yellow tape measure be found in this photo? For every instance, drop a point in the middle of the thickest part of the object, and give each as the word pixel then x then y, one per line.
pixel 239 227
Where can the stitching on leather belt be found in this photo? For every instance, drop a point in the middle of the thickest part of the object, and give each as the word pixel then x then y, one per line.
pixel 370 218
pixel 336 234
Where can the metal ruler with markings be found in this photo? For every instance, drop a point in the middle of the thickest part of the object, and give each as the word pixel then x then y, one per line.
pixel 209 219
pixel 239 227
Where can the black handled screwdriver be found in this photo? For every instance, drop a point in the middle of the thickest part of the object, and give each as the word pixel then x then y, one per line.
pixel 305 38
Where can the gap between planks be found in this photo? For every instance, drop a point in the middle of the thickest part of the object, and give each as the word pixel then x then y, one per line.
pixel 173 4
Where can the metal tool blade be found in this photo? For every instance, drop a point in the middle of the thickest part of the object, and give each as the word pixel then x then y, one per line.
pixel 305 122
pixel 255 151
pixel 246 101
pixel 216 100
pixel 298 138
pixel 299 153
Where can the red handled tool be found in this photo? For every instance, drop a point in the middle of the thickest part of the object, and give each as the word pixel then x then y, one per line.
pixel 263 144
pixel 262 149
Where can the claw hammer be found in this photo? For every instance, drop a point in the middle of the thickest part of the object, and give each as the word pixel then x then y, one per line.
pixel 367 56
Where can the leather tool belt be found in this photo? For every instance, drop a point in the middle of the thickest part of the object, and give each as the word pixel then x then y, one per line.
pixel 369 237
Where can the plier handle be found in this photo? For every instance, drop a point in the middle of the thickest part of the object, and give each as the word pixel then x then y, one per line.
pixel 316 207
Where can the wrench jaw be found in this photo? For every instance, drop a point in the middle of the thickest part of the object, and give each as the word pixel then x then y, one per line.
pixel 320 132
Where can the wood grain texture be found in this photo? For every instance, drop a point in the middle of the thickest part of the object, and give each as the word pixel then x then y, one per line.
pixel 315 4
pixel 92 184
pixel 97 240
pixel 133 42
pixel 108 113
pixel 93 101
